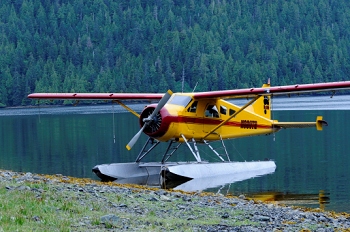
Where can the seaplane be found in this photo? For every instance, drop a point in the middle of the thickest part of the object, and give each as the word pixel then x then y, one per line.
pixel 199 119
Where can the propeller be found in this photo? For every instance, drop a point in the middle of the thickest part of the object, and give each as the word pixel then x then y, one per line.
pixel 150 118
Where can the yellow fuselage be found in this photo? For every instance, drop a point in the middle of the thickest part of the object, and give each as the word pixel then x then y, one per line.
pixel 194 119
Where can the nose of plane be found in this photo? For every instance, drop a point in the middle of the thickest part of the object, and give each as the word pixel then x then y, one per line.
pixel 157 125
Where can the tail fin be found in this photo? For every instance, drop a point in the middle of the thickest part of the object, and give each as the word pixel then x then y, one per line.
pixel 262 106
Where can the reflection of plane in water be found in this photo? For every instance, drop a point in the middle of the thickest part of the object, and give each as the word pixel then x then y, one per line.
pixel 151 180
pixel 199 184
pixel 196 184
pixel 302 199
pixel 322 198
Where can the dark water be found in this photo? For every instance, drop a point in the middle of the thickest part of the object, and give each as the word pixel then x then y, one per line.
pixel 312 166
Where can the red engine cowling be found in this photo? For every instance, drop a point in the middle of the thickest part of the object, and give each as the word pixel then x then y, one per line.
pixel 158 125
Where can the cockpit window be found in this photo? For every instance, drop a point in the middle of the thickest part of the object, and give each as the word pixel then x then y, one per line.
pixel 223 110
pixel 193 107
pixel 211 111
pixel 180 100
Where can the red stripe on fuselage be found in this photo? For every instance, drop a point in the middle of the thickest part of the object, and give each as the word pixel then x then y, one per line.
pixel 167 119
pixel 207 121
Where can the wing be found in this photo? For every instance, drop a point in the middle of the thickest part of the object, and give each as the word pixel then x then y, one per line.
pixel 236 93
pixel 275 90
pixel 97 96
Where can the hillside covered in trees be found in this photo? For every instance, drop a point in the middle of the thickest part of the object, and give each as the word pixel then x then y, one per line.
pixel 152 45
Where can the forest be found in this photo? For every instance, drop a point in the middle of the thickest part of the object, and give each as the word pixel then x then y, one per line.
pixel 155 45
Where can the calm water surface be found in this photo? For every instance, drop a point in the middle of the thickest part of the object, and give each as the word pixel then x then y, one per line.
pixel 312 166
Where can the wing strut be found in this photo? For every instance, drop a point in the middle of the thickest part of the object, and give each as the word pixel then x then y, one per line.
pixel 127 108
pixel 233 115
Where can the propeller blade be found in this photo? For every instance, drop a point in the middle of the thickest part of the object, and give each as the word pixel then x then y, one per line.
pixel 135 138
pixel 160 105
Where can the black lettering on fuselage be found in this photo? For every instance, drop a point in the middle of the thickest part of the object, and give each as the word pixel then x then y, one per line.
pixel 249 124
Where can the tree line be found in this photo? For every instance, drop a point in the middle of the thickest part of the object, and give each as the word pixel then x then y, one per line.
pixel 155 45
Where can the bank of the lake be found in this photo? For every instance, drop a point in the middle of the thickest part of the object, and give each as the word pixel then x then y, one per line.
pixel 59 203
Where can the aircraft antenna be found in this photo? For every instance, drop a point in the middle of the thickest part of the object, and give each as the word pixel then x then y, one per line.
pixel 195 87
pixel 183 78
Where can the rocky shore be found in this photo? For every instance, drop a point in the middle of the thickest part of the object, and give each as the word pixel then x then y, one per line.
pixel 58 203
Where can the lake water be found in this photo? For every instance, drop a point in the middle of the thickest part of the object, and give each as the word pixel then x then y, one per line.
pixel 312 166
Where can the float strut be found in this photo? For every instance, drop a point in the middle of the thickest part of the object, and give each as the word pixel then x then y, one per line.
pixel 195 154
pixel 150 142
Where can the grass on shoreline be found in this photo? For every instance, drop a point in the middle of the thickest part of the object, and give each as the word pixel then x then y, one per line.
pixel 23 209
pixel 48 207
pixel 58 203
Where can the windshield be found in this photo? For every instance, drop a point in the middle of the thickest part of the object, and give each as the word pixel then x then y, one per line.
pixel 180 100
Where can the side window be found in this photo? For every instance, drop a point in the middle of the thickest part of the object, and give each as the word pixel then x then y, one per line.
pixel 223 110
pixel 193 107
pixel 231 111
pixel 211 111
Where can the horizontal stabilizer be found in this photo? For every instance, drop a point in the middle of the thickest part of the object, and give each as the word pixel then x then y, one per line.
pixel 318 124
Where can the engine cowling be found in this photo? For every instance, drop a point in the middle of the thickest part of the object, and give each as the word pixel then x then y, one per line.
pixel 158 125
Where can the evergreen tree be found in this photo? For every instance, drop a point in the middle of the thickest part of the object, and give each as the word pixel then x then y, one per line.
pixel 114 46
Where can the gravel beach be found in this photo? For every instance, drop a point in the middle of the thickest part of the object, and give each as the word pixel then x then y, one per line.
pixel 88 205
